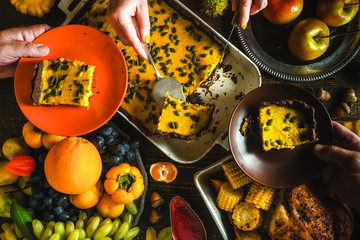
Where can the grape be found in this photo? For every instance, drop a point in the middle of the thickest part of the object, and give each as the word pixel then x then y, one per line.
pixel 134 144
pixel 116 160
pixel 36 176
pixel 53 193
pixel 34 202
pixel 119 149
pixel 58 210
pixel 61 200
pixel 115 133
pixel 126 145
pixel 109 140
pixel 48 201
pixel 48 216
pixel 130 156
pixel 106 131
pixel 45 184
pixel 65 216
pixel 37 192
pixel 98 142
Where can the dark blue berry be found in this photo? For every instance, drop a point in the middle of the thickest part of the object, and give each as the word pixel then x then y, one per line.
pixel 98 141
pixel 126 145
pixel 48 201
pixel 53 193
pixel 36 176
pixel 58 210
pixel 119 149
pixel 109 140
pixel 48 216
pixel 130 156
pixel 106 131
pixel 134 144
pixel 41 158
pixel 34 202
pixel 45 184
pixel 61 200
pixel 116 160
pixel 115 133
pixel 65 216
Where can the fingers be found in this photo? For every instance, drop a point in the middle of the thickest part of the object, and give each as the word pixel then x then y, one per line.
pixel 244 12
pixel 28 34
pixel 257 6
pixel 345 138
pixel 130 19
pixel 347 160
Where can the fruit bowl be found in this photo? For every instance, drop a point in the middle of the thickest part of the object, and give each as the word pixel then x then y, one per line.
pixel 266 44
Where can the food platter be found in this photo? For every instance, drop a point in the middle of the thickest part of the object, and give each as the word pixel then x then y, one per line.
pixel 266 45
pixel 278 168
pixel 110 79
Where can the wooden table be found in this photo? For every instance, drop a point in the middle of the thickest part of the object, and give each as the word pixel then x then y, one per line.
pixel 12 119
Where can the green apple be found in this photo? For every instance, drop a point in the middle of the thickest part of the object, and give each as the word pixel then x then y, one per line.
pixel 282 11
pixel 333 12
pixel 305 40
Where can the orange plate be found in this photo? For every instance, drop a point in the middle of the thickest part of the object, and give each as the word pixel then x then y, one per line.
pixel 109 86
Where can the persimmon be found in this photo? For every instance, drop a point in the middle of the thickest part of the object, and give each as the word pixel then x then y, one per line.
pixel 108 208
pixel 163 171
pixel 89 198
pixel 73 165
pixel 32 135
pixel 48 139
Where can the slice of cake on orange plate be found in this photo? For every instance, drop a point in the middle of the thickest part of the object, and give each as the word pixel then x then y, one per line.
pixel 286 124
pixel 62 82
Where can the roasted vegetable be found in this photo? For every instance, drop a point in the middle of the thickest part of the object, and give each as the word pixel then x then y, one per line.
pixel 247 217
pixel 260 195
pixel 228 197
pixel 236 177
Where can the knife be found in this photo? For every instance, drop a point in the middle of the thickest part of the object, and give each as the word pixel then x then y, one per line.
pixel 235 23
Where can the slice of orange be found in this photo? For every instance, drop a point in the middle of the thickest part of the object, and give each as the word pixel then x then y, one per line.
pixel 163 171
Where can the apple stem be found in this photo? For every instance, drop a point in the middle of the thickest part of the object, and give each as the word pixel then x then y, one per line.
pixel 340 34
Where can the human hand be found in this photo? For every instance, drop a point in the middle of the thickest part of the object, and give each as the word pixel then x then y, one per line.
pixel 342 171
pixel 120 15
pixel 247 8
pixel 16 43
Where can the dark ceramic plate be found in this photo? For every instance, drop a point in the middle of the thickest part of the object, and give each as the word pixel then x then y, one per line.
pixel 277 168
pixel 266 44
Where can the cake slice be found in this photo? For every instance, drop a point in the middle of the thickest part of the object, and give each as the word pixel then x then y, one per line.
pixel 286 124
pixel 62 82
pixel 184 120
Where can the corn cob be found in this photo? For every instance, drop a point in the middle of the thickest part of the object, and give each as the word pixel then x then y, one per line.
pixel 260 195
pixel 247 217
pixel 228 197
pixel 236 177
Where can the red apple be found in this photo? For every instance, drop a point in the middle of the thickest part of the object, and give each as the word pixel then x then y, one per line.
pixel 305 40
pixel 282 11
pixel 333 12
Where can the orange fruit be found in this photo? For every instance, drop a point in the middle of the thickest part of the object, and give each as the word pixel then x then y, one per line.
pixel 163 171
pixel 108 208
pixel 73 165
pixel 89 198
pixel 32 136
pixel 48 139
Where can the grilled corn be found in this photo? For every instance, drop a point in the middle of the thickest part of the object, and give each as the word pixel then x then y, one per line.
pixel 247 217
pixel 228 197
pixel 260 195
pixel 236 177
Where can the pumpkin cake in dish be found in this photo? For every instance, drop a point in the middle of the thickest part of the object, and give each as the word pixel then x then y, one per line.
pixel 286 124
pixel 184 120
pixel 62 82
pixel 179 49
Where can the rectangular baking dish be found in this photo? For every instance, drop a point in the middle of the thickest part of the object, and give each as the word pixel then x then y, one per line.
pixel 225 92
pixel 206 190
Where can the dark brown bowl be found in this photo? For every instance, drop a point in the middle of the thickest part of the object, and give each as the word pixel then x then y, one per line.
pixel 278 168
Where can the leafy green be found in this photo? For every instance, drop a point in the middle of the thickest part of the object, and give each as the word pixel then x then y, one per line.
pixel 23 220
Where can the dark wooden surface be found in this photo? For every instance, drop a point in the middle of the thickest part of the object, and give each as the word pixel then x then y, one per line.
pixel 12 119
